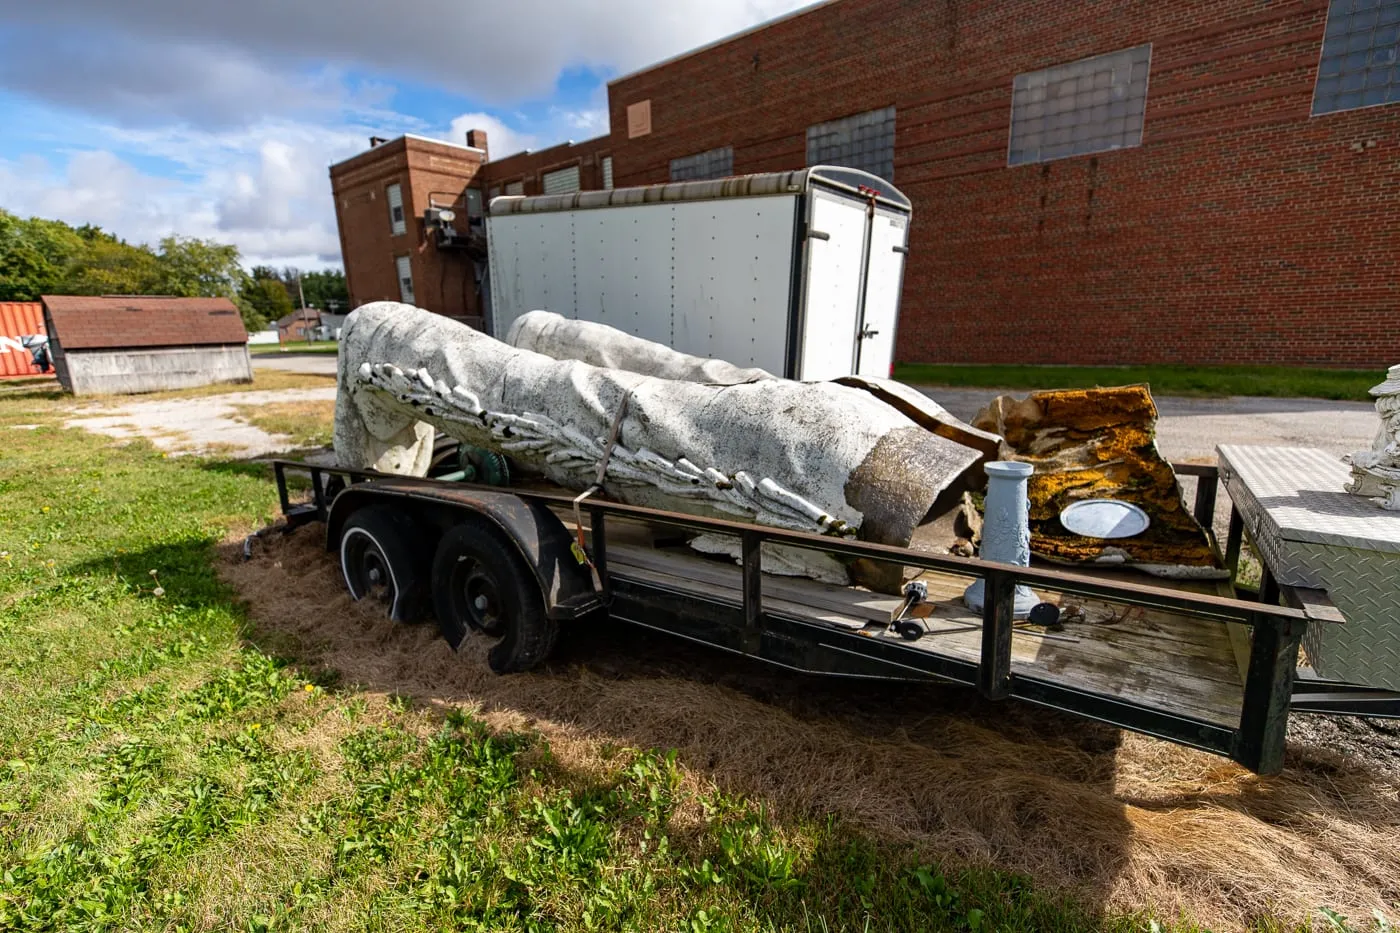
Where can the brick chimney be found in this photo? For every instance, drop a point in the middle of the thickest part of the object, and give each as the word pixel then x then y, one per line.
pixel 477 140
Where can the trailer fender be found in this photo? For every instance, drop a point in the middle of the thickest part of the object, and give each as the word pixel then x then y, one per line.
pixel 538 535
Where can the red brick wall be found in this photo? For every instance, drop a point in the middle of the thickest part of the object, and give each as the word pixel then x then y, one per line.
pixel 527 167
pixel 443 280
pixel 1243 230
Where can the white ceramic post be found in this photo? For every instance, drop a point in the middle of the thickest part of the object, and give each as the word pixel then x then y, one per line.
pixel 1006 530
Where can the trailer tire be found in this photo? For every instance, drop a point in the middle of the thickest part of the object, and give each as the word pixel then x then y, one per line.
pixel 381 557
pixel 481 584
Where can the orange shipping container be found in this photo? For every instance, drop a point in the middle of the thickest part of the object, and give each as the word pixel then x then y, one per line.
pixel 19 319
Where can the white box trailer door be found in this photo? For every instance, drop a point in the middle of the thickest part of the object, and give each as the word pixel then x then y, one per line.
pixel 884 275
pixel 835 250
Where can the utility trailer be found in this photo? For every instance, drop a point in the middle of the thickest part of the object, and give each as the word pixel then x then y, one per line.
pixel 1211 672
pixel 798 273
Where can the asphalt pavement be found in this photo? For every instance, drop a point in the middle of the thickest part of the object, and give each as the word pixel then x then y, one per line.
pixel 1190 428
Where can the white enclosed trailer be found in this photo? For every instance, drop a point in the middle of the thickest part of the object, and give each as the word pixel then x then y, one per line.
pixel 798 273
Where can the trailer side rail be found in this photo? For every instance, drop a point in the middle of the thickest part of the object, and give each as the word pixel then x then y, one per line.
pixel 1257 742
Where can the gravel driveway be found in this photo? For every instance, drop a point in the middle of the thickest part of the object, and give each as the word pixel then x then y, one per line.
pixel 197 425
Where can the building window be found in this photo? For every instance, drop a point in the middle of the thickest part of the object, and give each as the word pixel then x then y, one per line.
pixel 607 172
pixel 397 222
pixel 562 181
pixel 515 189
pixel 1360 56
pixel 493 194
pixel 473 197
pixel 1092 105
pixel 714 163
pixel 403 266
pixel 862 141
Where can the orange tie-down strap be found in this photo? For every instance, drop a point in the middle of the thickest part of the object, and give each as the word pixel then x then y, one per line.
pixel 580 551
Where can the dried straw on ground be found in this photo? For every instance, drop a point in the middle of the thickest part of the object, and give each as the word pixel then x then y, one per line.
pixel 1123 821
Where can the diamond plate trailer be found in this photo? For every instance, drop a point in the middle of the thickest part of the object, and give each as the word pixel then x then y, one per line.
pixel 507 564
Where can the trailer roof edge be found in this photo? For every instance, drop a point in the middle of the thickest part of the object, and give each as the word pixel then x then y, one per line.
pixel 737 186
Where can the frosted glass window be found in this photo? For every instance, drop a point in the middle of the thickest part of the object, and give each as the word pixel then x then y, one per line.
pixel 1092 105
pixel 398 224
pixel 1360 56
pixel 607 172
pixel 515 188
pixel 564 181
pixel 863 141
pixel 403 266
pixel 714 163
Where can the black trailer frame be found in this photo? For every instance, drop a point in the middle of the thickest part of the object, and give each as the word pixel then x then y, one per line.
pixel 1271 688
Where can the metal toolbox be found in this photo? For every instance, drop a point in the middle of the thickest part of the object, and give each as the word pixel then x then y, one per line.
pixel 1309 532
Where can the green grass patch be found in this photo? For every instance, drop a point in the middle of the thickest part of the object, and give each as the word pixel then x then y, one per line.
pixel 1207 381
pixel 309 424
pixel 159 770
pixel 296 346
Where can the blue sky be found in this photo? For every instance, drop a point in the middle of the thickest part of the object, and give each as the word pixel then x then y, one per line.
pixel 218 119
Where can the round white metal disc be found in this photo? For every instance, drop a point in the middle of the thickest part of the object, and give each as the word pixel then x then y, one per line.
pixel 1104 518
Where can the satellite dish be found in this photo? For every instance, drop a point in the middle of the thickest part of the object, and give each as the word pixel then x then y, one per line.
pixel 1104 518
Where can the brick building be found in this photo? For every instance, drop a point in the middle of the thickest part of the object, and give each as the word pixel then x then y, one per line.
pixel 382 198
pixel 1204 181
pixel 571 166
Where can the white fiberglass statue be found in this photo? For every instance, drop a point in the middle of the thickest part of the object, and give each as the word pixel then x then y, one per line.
pixel 1375 473
pixel 820 457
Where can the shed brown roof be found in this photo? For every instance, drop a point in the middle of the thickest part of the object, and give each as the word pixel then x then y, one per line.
pixel 115 322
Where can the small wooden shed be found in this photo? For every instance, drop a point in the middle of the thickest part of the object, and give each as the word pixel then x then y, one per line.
pixel 120 344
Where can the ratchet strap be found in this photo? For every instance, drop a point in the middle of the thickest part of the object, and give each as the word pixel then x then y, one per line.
pixel 580 552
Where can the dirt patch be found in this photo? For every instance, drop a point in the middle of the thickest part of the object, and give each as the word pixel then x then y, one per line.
pixel 201 424
pixel 1123 821
pixel 308 424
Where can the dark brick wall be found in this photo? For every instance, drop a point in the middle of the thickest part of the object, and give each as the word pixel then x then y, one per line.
pixel 527 167
pixel 1243 230
pixel 443 280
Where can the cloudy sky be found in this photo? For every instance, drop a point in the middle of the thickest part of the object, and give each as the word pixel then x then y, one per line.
pixel 216 118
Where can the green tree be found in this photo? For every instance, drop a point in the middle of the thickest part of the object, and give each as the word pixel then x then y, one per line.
pixel 108 266
pixel 33 256
pixel 194 268
pixel 263 300
pixel 326 290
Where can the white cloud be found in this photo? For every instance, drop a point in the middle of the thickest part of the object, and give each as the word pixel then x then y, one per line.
pixel 496 52
pixel 589 123
pixel 265 190
pixel 501 140
pixel 220 119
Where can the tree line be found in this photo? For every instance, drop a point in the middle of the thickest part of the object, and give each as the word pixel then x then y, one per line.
pixel 50 257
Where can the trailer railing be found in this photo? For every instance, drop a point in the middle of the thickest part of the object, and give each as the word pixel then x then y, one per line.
pixel 1276 631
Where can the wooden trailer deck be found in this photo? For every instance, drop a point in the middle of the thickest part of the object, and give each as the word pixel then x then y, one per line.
pixel 1180 662
pixel 1161 659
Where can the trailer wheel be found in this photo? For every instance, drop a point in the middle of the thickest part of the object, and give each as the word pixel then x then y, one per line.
pixel 382 559
pixel 480 584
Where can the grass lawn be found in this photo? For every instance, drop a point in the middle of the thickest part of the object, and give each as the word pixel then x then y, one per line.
pixel 1211 381
pixel 163 766
pixel 296 346
pixel 161 769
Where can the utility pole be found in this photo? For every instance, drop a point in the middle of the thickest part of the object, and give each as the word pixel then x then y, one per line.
pixel 301 293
